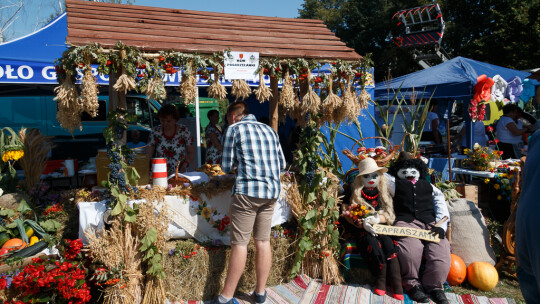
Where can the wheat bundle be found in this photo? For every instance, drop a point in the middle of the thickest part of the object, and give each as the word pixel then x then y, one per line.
pixel 330 270
pixel 69 105
pixel 154 292
pixel 156 89
pixel 89 93
pixel 331 104
pixel 363 99
pixel 36 148
pixel 311 102
pixel 125 83
pixel 216 89
pixel 188 88
pixel 350 105
pixel 263 92
pixel 287 98
pixel 240 89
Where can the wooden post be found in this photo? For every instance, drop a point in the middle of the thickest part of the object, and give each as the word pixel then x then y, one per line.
pixel 113 95
pixel 449 150
pixel 274 115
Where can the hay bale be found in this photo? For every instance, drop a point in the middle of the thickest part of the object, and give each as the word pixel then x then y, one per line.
pixel 201 277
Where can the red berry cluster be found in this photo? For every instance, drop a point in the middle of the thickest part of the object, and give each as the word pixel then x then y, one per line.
pixel 54 208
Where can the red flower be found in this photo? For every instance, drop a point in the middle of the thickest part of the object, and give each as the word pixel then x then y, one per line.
pixel 277 69
pixel 496 140
pixel 500 152
pixel 161 58
pixel 226 220
pixel 3 283
pixel 221 226
pixel 109 62
pixel 489 129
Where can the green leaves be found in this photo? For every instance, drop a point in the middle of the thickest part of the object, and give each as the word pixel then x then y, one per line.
pixel 7 212
pixel 149 239
pixel 50 225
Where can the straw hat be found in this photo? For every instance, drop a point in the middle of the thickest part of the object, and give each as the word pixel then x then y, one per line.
pixel 369 165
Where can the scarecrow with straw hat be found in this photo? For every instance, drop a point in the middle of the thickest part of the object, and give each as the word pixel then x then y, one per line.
pixel 371 203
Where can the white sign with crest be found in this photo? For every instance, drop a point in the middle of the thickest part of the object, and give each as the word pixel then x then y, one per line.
pixel 241 65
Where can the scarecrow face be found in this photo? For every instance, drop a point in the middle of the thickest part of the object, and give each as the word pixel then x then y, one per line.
pixel 370 180
pixel 408 173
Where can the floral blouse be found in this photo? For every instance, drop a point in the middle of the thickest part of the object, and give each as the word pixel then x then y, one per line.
pixel 172 148
pixel 213 155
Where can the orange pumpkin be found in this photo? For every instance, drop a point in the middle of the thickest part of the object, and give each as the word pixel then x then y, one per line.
pixel 482 275
pixel 458 270
pixel 14 244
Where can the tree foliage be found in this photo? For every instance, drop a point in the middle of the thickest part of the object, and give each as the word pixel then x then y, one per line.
pixel 502 32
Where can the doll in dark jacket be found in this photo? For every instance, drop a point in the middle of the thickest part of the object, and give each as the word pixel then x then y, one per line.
pixel 419 204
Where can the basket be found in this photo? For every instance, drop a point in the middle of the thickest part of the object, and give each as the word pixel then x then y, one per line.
pixel 176 180
pixel 356 159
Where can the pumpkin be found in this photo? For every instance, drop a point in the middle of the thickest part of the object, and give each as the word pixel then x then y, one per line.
pixel 482 275
pixel 14 244
pixel 458 270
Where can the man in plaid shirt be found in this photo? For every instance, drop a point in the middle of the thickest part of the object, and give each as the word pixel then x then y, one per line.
pixel 253 149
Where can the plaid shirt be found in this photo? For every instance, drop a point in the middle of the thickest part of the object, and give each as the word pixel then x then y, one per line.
pixel 254 149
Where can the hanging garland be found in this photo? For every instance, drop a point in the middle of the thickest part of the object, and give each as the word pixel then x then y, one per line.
pixel 216 89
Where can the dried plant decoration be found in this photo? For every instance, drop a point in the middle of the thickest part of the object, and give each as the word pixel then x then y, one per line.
pixel 69 105
pixel 287 98
pixel 263 92
pixel 156 88
pixel 363 99
pixel 350 104
pixel 240 89
pixel 89 92
pixel 216 89
pixel 311 102
pixel 188 87
pixel 36 148
pixel 125 82
pixel 331 104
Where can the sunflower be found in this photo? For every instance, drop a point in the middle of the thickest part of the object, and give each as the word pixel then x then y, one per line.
pixel 205 213
pixel 12 155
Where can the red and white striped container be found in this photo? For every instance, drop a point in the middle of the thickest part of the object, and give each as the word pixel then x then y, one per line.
pixel 159 172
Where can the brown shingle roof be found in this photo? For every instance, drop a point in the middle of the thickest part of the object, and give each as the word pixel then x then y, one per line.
pixel 155 29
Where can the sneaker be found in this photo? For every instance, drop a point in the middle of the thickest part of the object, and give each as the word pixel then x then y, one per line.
pixel 258 298
pixel 231 301
pixel 417 294
pixel 438 296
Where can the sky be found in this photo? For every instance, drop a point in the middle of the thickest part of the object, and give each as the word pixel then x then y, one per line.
pixel 36 12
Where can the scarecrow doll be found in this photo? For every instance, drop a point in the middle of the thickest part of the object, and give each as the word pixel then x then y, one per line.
pixel 371 203
pixel 419 204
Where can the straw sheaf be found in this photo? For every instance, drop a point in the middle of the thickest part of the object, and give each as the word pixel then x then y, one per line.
pixel 125 83
pixel 89 94
pixel 240 89
pixel 311 102
pixel 69 106
pixel 331 104
pixel 188 88
pixel 263 92
pixel 202 276
pixel 155 89
pixel 36 148
pixel 350 105
pixel 287 98
pixel 216 89
pixel 363 99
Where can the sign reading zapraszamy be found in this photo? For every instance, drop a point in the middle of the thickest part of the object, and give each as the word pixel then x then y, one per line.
pixel 241 65
pixel 406 231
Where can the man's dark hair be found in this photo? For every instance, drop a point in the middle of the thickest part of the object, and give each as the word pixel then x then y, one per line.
pixel 168 110
pixel 238 107
pixel 211 113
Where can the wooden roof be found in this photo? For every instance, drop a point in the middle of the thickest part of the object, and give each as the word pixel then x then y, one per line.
pixel 155 29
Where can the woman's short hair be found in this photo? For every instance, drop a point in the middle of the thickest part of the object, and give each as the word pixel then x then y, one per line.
pixel 212 113
pixel 169 110
pixel 509 108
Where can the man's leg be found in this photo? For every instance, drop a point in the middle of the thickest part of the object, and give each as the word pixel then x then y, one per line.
pixel 410 256
pixel 237 263
pixel 437 264
pixel 263 263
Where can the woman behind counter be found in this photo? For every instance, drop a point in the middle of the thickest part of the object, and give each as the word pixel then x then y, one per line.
pixel 213 136
pixel 171 140
pixel 510 131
